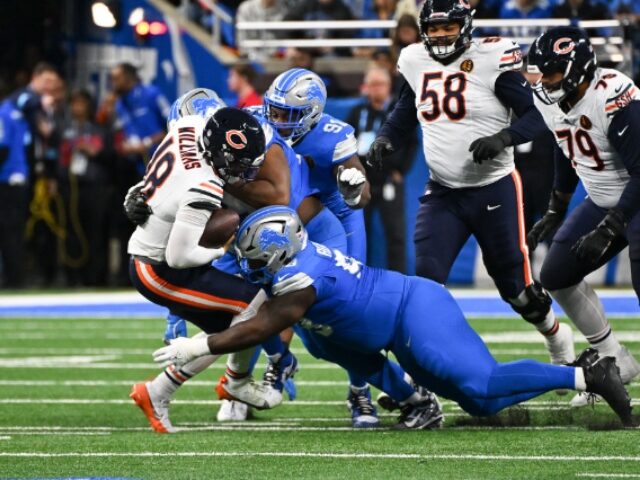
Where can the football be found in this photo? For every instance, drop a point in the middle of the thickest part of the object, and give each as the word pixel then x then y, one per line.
pixel 220 227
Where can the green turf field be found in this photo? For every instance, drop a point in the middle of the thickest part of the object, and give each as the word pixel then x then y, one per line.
pixel 65 412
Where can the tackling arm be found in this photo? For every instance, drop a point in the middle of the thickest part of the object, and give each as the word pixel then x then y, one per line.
pixel 272 186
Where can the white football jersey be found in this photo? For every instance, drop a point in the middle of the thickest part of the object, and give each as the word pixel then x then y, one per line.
pixel 582 134
pixel 176 176
pixel 457 104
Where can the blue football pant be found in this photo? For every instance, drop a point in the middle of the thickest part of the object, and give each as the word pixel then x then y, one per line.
pixel 439 349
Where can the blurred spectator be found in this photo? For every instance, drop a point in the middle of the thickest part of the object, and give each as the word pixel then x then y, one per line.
pixel 323 10
pixel 240 81
pixel 258 11
pixel 382 10
pixel 386 60
pixel 387 186
pixel 305 58
pixel 405 34
pixel 521 10
pixel 581 10
pixel 142 111
pixel 85 184
pixel 486 9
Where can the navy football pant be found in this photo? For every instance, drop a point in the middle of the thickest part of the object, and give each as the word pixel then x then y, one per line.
pixel 561 268
pixel 439 349
pixel 494 214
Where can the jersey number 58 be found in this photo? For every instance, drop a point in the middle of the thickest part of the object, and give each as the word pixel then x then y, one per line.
pixel 443 96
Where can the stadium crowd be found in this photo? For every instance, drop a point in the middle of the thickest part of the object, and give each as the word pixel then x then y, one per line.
pixel 61 192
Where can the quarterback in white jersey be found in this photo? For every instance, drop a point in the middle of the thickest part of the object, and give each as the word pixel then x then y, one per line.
pixel 594 114
pixel 463 94
pixel 183 186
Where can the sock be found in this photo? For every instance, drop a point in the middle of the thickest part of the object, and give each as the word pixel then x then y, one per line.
pixel 583 307
pixel 356 381
pixel 549 326
pixel 581 383
pixel 274 346
pixel 239 364
pixel 414 399
pixel 355 389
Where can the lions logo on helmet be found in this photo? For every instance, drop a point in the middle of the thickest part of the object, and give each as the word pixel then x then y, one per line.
pixel 267 240
pixel 294 102
pixel 199 101
pixel 233 142
pixel 564 50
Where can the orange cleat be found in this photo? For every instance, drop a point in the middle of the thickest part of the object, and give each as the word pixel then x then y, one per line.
pixel 157 412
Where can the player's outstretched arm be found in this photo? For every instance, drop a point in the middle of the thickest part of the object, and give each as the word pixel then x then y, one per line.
pixel 272 186
pixel 353 183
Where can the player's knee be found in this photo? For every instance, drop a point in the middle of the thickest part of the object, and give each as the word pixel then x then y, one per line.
pixel 428 267
pixel 480 407
pixel 533 303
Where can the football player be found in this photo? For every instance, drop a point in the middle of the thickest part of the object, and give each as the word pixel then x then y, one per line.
pixel 366 310
pixel 294 105
pixel 326 229
pixel 183 185
pixel 463 94
pixel 594 114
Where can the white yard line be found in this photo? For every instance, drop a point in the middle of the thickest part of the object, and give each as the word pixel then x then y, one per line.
pixel 344 456
pixel 128 383
pixel 608 475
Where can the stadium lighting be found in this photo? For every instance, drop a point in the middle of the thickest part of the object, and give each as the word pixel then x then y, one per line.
pixel 150 28
pixel 105 14
pixel 136 16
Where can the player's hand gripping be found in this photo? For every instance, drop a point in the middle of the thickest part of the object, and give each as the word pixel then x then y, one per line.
pixel 547 226
pixel 351 183
pixel 181 351
pixel 135 206
pixel 590 248
pixel 380 149
pixel 486 148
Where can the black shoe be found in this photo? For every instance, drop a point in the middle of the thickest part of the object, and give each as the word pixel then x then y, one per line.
pixel 390 405
pixel 424 415
pixel 587 358
pixel 603 378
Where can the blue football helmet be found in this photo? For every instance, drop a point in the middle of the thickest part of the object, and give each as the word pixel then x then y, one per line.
pixel 267 240
pixel 199 101
pixel 566 50
pixel 294 102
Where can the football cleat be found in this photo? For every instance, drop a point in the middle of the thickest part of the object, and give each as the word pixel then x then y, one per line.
pixel 389 404
pixel 258 395
pixel 363 413
pixel 232 411
pixel 427 414
pixel 279 373
pixel 155 409
pixel 628 365
pixel 603 378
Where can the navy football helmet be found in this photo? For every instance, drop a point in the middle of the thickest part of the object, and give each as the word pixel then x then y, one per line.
pixel 233 142
pixel 446 48
pixel 566 50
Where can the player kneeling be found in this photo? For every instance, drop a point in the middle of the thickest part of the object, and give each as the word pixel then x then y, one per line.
pixel 171 258
pixel 368 310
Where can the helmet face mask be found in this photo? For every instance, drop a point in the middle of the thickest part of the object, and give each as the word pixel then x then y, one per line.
pixel 445 15
pixel 565 55
pixel 268 240
pixel 233 142
pixel 294 102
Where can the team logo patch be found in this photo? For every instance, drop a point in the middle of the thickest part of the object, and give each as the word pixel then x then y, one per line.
pixel 236 139
pixel 466 66
pixel 563 46
pixel 585 122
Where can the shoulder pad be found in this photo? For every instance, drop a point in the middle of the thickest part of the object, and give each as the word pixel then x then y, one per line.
pixel 290 282
pixel 206 192
pixel 616 89
pixel 504 53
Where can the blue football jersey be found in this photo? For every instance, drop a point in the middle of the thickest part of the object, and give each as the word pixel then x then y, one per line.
pixel 329 143
pixel 355 305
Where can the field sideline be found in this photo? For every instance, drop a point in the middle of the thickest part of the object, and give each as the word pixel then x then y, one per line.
pixel 65 412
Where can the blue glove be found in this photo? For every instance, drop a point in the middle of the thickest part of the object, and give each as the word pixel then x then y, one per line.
pixel 176 327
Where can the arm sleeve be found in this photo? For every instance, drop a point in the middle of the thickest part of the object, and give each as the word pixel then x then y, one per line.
pixel 183 250
pixel 565 178
pixel 403 119
pixel 513 90
pixel 627 120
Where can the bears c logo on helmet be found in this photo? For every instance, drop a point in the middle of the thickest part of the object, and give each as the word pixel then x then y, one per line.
pixel 236 139
pixel 563 46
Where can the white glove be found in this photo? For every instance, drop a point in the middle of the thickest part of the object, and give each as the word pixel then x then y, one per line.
pixel 181 351
pixel 351 183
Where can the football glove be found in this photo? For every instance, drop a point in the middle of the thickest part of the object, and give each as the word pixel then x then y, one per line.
pixel 590 248
pixel 135 205
pixel 547 226
pixel 351 183
pixel 182 351
pixel 176 327
pixel 486 148
pixel 380 149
